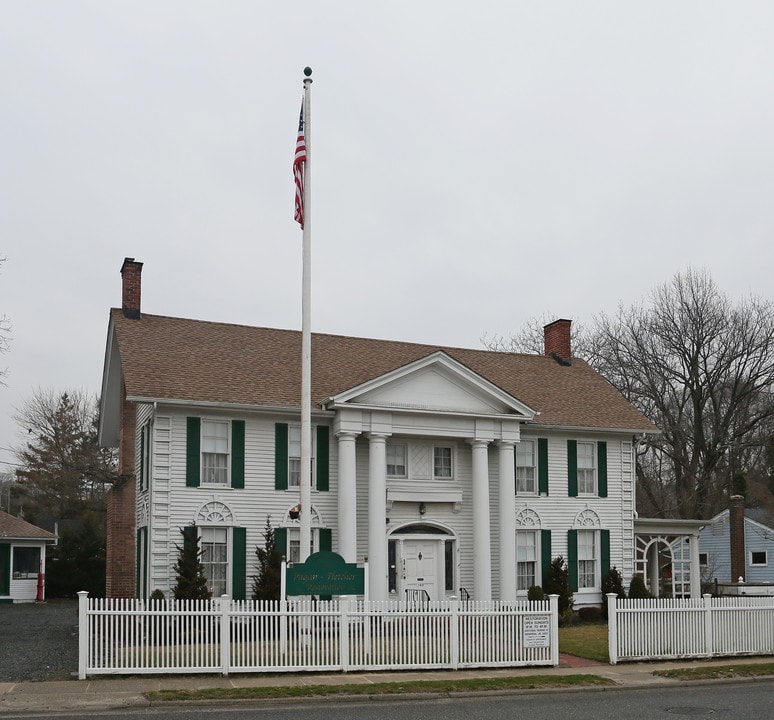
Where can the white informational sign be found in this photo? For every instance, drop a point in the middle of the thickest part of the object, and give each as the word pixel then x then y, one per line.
pixel 536 631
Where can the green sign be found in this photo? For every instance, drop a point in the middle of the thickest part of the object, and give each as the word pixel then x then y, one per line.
pixel 325 573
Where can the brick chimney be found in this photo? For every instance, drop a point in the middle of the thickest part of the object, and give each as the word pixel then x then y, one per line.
pixel 131 286
pixel 736 528
pixel 557 340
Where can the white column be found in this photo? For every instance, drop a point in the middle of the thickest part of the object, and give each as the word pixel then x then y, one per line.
pixel 695 569
pixel 482 553
pixel 653 578
pixel 377 514
pixel 507 505
pixel 347 497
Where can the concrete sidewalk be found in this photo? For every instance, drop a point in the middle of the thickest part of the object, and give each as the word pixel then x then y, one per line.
pixel 105 694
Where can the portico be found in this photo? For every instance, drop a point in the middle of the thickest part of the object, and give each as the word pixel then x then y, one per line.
pixel 454 429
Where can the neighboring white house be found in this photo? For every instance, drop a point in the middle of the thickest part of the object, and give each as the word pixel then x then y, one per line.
pixel 755 555
pixel 22 558
pixel 453 470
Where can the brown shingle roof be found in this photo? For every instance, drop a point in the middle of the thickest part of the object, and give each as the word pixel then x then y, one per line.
pixel 16 529
pixel 177 359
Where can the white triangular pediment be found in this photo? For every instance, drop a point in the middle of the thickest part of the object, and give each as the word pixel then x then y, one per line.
pixel 436 383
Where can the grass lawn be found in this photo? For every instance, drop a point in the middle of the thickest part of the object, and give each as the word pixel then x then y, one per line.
pixel 388 688
pixel 588 640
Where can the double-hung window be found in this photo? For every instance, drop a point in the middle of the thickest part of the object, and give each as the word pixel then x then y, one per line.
pixel 442 462
pixel 215 454
pixel 526 559
pixel 587 559
pixel 396 460
pixel 294 456
pixel 587 471
pixel 214 547
pixel 526 467
pixel 294 544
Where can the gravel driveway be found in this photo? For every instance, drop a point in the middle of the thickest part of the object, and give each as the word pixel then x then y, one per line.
pixel 38 641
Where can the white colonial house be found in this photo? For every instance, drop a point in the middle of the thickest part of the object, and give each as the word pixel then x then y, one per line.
pixel 452 470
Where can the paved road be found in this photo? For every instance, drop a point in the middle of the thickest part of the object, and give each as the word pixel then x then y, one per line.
pixel 38 641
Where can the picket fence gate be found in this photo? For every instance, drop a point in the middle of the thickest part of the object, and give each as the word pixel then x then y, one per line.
pixel 123 636
pixel 656 629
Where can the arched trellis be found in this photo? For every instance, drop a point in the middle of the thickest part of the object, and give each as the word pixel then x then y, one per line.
pixel 666 554
pixel 664 561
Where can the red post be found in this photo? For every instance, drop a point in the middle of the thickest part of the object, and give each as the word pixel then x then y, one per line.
pixel 41 587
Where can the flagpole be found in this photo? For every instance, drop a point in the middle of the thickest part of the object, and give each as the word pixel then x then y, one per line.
pixel 305 478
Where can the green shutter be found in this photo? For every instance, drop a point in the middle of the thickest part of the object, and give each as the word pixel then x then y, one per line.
pixel 604 541
pixel 326 539
pixel 281 456
pixel 602 469
pixel 189 537
pixel 239 566
pixel 545 554
pixel 142 458
pixel 193 459
pixel 572 558
pixel 281 541
pixel 141 574
pixel 323 456
pixel 542 466
pixel 238 454
pixel 572 468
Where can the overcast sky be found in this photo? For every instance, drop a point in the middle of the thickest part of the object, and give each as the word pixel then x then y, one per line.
pixel 475 165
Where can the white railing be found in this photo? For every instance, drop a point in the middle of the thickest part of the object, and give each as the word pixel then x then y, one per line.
pixel 226 636
pixel 657 629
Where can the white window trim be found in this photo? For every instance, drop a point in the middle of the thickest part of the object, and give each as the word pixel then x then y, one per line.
pixel 313 463
pixel 534 467
pixel 538 564
pixel 765 563
pixel 405 473
pixel 202 453
pixel 594 492
pixel 452 461
pixel 293 533
pixel 229 552
pixel 596 560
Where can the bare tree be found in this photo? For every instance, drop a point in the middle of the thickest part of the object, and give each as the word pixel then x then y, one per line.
pixel 703 370
pixel 63 471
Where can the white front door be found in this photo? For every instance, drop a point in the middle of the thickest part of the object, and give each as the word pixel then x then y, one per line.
pixel 420 567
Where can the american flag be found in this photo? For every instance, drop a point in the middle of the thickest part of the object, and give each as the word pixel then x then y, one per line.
pixel 298 169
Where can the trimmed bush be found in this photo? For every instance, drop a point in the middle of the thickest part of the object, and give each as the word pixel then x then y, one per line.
pixel 536 593
pixel 637 589
pixel 591 614
pixel 613 583
pixel 558 583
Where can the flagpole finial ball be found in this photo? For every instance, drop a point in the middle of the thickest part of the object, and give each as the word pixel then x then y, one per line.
pixel 308 71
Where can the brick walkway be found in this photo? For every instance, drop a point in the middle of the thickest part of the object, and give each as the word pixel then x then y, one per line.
pixel 573 661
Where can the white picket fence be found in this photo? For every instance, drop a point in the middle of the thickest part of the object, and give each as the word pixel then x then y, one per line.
pixel 705 627
pixel 226 636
